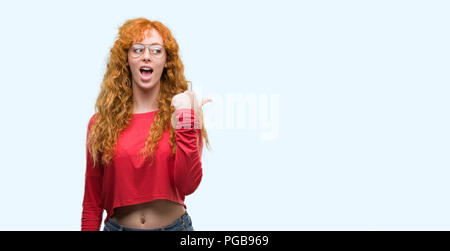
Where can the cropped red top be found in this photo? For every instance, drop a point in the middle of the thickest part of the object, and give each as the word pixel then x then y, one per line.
pixel 128 180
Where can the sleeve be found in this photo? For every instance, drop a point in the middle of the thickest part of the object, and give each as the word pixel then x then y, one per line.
pixel 187 172
pixel 91 217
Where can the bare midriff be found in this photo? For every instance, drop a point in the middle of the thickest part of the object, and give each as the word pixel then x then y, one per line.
pixel 153 214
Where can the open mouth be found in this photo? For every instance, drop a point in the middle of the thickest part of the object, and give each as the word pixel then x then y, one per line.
pixel 146 72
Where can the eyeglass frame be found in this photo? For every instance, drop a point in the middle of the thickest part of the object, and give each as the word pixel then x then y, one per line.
pixel 145 47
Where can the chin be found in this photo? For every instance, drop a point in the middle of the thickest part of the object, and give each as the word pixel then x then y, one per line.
pixel 146 85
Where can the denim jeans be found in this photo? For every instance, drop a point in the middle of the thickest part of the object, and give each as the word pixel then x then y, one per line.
pixel 184 223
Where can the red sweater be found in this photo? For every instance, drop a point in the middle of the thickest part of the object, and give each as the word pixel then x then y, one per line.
pixel 128 180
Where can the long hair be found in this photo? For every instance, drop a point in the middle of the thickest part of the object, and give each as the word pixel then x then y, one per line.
pixel 114 105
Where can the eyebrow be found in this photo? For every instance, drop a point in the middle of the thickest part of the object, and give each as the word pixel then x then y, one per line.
pixel 150 44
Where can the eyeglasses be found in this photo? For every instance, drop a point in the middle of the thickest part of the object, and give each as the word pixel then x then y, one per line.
pixel 137 50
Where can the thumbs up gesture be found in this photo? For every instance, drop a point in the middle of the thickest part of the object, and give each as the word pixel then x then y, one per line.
pixel 186 106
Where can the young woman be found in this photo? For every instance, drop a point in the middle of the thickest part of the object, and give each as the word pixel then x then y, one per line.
pixel 144 142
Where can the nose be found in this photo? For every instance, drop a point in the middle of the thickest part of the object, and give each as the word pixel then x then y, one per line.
pixel 146 55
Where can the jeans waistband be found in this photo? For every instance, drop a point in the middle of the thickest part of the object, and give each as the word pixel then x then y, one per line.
pixel 184 219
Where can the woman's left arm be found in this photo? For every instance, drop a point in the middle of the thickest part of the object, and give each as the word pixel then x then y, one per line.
pixel 188 172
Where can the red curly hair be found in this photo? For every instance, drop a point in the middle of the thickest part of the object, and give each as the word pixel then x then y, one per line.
pixel 114 105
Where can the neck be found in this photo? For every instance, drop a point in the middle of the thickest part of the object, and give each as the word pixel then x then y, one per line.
pixel 145 100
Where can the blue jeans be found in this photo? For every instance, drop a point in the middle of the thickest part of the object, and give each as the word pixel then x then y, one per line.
pixel 184 223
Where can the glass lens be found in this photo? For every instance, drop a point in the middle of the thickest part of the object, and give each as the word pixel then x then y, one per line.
pixel 156 51
pixel 137 50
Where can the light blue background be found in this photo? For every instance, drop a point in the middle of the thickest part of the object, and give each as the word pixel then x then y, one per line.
pixel 364 110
